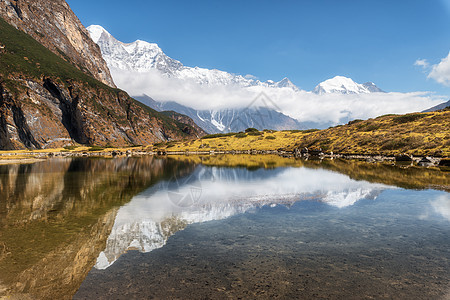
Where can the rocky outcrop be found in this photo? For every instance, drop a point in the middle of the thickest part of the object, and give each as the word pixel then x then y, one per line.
pixel 48 115
pixel 54 25
pixel 185 120
pixel 45 102
pixel 13 124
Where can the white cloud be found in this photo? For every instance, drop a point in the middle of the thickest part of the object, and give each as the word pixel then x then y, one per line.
pixel 250 76
pixel 442 206
pixel 441 71
pixel 422 63
pixel 301 105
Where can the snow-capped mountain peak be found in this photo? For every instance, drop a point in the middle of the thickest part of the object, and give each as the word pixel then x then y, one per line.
pixel 141 56
pixel 96 32
pixel 285 82
pixel 373 88
pixel 345 85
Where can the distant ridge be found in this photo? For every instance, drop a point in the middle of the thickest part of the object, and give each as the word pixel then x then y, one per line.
pixel 228 120
pixel 438 107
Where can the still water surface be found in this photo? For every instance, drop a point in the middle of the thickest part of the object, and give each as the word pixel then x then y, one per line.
pixel 243 227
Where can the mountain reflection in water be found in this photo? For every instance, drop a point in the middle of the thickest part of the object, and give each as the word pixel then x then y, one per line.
pixel 61 217
pixel 152 217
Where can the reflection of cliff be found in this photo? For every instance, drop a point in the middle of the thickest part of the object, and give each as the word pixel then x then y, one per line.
pixel 55 217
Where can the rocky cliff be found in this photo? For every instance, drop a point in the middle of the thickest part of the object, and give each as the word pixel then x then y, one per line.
pixel 54 25
pixel 46 102
pixel 184 119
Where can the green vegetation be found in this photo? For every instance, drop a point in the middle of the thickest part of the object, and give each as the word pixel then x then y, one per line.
pixel 240 135
pixel 408 118
pixel 217 135
pixel 24 55
pixel 354 121
pixel 96 148
pixel 254 133
pixel 70 147
pixel 310 130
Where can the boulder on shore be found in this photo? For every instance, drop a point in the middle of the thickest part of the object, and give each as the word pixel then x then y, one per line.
pixel 404 157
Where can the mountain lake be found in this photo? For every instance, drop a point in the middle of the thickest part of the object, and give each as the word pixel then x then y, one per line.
pixel 223 227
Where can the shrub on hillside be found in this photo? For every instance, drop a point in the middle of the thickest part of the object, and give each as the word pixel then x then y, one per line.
pixel 310 130
pixel 354 121
pixel 254 133
pixel 70 147
pixel 217 135
pixel 96 148
pixel 408 118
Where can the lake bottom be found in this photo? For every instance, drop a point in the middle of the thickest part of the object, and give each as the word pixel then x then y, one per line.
pixel 393 247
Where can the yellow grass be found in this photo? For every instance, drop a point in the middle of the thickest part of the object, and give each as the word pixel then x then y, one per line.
pixel 418 134
pixel 425 134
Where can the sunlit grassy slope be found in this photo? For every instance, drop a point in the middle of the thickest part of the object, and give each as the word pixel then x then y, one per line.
pixel 417 133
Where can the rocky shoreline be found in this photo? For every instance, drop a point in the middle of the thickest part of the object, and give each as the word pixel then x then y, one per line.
pixel 31 157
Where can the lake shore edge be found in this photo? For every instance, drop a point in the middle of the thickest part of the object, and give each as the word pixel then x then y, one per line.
pixel 32 156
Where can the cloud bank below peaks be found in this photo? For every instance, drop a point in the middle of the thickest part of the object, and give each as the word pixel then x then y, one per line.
pixel 302 105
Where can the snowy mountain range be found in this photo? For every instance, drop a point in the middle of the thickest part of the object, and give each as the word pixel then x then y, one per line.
pixel 138 59
pixel 141 56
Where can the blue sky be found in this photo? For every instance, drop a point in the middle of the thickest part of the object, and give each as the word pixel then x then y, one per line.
pixel 306 41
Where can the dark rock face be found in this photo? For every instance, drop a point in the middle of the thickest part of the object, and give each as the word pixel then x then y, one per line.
pixel 48 115
pixel 71 116
pixel 53 24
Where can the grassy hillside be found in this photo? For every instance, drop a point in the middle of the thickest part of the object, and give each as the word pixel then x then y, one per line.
pixel 24 55
pixel 417 133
